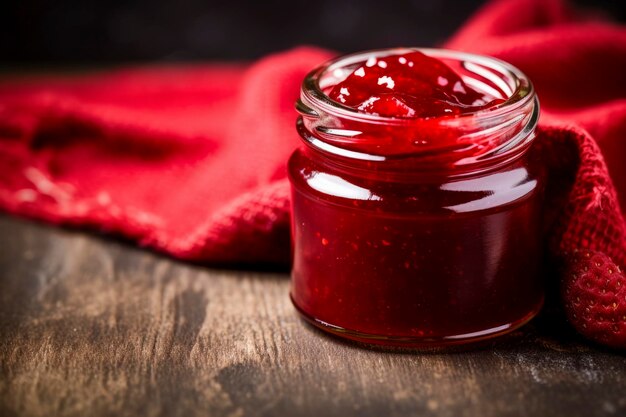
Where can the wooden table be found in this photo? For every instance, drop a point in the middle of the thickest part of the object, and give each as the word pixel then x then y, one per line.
pixel 90 326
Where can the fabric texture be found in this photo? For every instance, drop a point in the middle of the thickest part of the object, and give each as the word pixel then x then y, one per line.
pixel 190 160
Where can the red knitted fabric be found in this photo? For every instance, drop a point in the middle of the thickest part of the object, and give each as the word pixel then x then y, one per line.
pixel 191 160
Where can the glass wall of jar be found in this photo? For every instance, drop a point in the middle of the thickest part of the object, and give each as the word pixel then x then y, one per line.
pixel 417 231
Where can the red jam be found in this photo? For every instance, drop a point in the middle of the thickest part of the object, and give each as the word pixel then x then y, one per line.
pixel 416 200
pixel 409 85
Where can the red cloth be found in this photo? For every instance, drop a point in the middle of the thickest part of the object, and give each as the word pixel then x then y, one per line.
pixel 191 160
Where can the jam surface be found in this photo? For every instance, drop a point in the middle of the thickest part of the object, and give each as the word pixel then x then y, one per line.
pixel 398 250
pixel 409 85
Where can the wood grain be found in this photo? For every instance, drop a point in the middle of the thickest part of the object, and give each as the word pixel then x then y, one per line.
pixel 92 326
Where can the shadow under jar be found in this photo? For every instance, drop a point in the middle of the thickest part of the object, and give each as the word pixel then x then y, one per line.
pixel 419 231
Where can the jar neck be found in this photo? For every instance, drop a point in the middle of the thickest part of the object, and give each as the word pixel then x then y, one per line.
pixel 459 145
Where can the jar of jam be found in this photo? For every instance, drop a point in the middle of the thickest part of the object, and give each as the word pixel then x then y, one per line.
pixel 416 198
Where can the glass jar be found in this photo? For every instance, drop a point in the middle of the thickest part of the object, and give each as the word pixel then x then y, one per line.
pixel 417 231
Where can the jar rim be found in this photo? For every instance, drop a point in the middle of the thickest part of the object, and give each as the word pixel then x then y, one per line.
pixel 315 97
pixel 486 137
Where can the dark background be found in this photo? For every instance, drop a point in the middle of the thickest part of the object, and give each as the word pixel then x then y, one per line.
pixel 75 32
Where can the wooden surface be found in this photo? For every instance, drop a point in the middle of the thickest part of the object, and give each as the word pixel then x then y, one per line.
pixel 92 326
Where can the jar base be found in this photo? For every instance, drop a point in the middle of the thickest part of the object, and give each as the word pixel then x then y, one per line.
pixel 417 342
